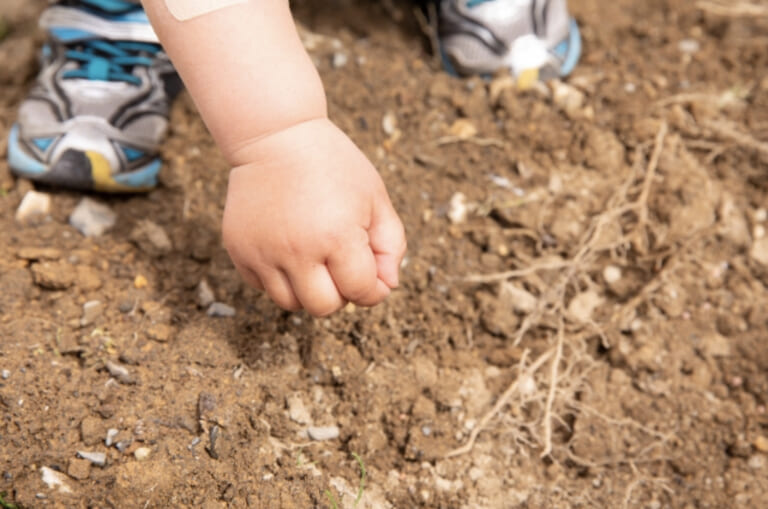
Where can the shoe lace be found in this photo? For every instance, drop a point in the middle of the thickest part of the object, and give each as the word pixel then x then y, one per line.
pixel 110 61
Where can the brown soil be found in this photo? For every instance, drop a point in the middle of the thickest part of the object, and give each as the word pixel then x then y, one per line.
pixel 621 361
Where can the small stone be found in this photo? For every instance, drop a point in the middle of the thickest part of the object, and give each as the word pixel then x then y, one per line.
pixel 5 374
pixel 462 129
pixel 91 430
pixel 54 479
pixel 320 433
pixel 611 274
pixel 120 373
pixel 221 310
pixel 151 238
pixel 205 296
pixel 296 410
pixel 761 443
pixel 33 207
pixel 79 469
pixel 142 453
pixel 756 461
pixel 140 282
pixel 583 306
pixel 126 306
pixel 688 46
pixel 457 208
pixel 339 59
pixel 39 253
pixel 389 123
pixel 568 98
pixel 160 332
pixel 97 458
pixel 92 218
pixel 759 251
pixel 499 85
pixel 53 275
pixel 517 298
pixel 91 311
pixel 110 439
pixel 715 345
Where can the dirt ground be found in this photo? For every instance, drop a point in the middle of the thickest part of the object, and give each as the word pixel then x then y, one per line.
pixel 582 319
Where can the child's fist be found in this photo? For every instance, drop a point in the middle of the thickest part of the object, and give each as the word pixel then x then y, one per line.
pixel 309 221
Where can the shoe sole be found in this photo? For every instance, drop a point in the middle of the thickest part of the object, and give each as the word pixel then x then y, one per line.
pixel 80 170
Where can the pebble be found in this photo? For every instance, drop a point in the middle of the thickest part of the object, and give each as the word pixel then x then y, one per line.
pixel 462 129
pixel 33 206
pixel 110 439
pixel 567 98
pixel 39 253
pixel 97 458
pixel 320 433
pixel 91 430
pixel 611 274
pixel 457 208
pixel 519 299
pixel 53 275
pixel 92 218
pixel 296 410
pixel 151 238
pixel 339 60
pixel 205 296
pixel 91 311
pixel 583 305
pixel 5 374
pixel 120 373
pixel 54 479
pixel 142 453
pixel 761 443
pixel 221 310
pixel 389 123
pixel 689 46
pixel 756 461
pixel 759 251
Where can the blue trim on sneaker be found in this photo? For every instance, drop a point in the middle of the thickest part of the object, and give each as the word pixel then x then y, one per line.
pixel 572 50
pixel 19 160
pixel 114 6
pixel 142 178
pixel 475 3
pixel 66 34
pixel 43 143
pixel 137 16
pixel 132 154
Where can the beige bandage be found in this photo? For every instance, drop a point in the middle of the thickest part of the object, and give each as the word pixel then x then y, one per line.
pixel 188 9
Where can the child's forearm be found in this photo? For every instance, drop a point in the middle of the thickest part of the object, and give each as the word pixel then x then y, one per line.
pixel 246 69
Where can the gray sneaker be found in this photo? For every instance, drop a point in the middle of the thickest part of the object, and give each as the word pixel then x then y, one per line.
pixel 99 108
pixel 534 39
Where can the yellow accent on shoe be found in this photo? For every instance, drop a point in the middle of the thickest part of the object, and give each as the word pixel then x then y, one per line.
pixel 102 176
pixel 527 79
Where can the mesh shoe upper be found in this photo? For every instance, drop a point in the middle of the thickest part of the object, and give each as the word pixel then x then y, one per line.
pixel 481 36
pixel 99 107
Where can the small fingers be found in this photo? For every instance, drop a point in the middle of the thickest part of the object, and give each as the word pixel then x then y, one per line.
pixel 316 291
pixel 278 287
pixel 354 271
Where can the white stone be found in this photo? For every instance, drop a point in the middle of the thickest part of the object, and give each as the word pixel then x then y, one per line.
pixel 583 305
pixel 97 458
pixel 527 385
pixel 339 59
pixel 91 310
pixel 92 218
pixel 111 434
pixel 389 123
pixel 54 479
pixel 457 208
pixel 611 274
pixel 689 46
pixel 759 251
pixel 521 300
pixel 33 206
pixel 142 453
pixel 567 98
pixel 296 409
pixel 221 310
pixel 5 374
pixel 320 433
pixel 205 295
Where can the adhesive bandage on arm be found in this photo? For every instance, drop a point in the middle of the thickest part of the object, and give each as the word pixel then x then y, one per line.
pixel 183 10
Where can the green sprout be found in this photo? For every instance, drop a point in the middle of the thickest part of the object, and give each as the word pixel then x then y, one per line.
pixel 331 499
pixel 4 504
pixel 361 487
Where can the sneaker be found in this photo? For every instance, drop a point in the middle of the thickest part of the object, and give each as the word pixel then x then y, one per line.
pixel 99 108
pixel 534 39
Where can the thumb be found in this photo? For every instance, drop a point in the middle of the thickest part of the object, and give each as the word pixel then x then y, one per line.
pixel 387 239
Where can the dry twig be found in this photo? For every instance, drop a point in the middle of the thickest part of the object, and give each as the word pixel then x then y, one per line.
pixel 733 9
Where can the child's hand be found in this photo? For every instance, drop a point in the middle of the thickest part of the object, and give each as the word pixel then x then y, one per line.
pixel 308 220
